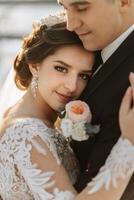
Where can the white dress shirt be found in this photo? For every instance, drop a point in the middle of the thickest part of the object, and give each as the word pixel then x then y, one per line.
pixel 111 48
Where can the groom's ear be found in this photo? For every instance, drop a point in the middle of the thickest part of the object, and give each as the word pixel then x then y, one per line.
pixel 125 3
pixel 126 8
pixel 34 68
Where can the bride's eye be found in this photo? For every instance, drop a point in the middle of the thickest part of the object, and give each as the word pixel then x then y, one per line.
pixel 61 69
pixel 84 77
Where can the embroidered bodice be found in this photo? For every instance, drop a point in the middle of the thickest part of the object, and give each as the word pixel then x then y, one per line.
pixel 19 177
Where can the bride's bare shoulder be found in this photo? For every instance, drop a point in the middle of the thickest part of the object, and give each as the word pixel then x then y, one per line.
pixel 7 112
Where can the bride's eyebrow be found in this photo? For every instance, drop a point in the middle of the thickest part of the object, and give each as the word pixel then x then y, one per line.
pixel 62 63
pixel 69 66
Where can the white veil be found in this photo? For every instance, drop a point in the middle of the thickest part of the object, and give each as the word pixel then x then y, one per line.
pixel 9 93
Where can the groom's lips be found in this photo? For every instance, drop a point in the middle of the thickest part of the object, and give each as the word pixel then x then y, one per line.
pixel 82 35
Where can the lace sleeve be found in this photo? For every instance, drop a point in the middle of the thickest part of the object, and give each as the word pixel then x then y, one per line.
pixel 113 177
pixel 31 152
pixel 119 165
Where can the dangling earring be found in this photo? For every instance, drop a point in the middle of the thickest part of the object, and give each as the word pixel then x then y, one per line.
pixel 34 85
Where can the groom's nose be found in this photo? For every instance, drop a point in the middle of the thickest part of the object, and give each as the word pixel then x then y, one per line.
pixel 72 21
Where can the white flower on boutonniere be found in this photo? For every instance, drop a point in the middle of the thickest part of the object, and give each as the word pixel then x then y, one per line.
pixel 79 132
pixel 77 121
pixel 67 127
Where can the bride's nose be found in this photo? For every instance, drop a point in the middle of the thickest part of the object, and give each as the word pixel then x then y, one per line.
pixel 71 83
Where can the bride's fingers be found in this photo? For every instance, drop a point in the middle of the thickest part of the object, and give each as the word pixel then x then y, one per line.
pixel 126 103
pixel 131 79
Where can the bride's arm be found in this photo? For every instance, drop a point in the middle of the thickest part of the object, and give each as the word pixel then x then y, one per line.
pixel 49 162
pixel 110 194
pixel 123 148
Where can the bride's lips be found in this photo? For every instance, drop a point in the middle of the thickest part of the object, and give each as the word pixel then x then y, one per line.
pixel 64 98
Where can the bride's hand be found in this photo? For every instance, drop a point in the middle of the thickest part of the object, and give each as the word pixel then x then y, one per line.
pixel 126 114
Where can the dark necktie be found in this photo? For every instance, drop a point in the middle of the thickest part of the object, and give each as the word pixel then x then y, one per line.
pixel 98 61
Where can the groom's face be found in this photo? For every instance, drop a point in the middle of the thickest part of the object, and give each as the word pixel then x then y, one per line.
pixel 97 22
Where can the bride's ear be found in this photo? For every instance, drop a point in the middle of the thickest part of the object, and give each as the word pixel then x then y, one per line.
pixel 34 68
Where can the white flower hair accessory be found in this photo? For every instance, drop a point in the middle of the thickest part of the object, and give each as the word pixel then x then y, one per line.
pixel 50 20
pixel 76 123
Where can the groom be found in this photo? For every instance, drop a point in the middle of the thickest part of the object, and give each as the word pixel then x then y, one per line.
pixel 106 25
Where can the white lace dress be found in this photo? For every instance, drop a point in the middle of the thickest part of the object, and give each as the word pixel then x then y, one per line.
pixel 19 177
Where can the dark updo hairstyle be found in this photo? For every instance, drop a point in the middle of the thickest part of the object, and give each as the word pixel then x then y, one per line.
pixel 43 41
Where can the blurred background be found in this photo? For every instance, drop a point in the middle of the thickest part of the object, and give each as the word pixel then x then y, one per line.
pixel 16 18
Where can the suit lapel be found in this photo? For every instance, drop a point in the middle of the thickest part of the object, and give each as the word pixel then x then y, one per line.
pixel 111 64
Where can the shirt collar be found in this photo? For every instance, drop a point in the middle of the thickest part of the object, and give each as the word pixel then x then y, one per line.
pixel 110 49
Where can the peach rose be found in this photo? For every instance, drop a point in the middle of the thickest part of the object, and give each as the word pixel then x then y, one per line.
pixel 78 111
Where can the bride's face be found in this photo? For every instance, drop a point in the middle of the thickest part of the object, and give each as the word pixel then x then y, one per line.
pixel 63 76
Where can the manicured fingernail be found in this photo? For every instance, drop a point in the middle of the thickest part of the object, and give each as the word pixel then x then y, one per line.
pixel 131 74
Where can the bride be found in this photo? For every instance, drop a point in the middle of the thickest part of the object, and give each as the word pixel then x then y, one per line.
pixel 35 161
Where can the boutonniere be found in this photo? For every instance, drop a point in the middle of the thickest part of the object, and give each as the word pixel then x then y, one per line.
pixel 76 121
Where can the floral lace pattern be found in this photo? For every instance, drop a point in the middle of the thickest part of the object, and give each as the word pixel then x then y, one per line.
pixel 20 178
pixel 119 165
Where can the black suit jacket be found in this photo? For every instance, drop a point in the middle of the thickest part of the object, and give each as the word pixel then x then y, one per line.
pixel 104 94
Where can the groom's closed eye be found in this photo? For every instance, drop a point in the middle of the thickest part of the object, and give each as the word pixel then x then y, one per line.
pixel 78 5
